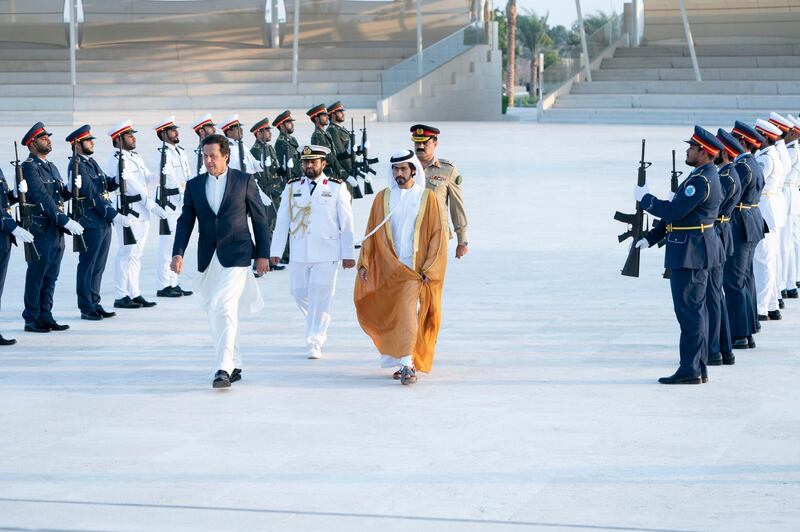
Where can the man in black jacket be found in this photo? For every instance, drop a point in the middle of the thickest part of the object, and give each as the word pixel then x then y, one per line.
pixel 221 200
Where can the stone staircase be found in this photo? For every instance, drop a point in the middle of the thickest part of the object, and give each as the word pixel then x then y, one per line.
pixel 655 84
pixel 145 81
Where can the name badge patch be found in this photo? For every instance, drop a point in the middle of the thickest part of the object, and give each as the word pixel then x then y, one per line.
pixel 327 194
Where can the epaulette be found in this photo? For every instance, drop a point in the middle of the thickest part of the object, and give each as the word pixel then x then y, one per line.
pixel 28 160
pixel 336 180
pixel 446 161
pixel 293 180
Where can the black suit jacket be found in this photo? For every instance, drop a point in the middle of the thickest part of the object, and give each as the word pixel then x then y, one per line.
pixel 227 232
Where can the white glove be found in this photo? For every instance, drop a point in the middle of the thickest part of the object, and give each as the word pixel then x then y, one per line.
pixel 268 161
pixel 643 244
pixel 78 182
pixel 264 199
pixel 353 181
pixel 290 163
pixel 366 145
pixel 74 227
pixel 367 179
pixel 122 219
pixel 670 196
pixel 22 235
pixel 639 192
pixel 158 210
pixel 23 186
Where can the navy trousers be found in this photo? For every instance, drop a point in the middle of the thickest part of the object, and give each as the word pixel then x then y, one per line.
pixel 42 274
pixel 737 291
pixel 689 300
pixel 751 285
pixel 5 255
pixel 719 331
pixel 91 265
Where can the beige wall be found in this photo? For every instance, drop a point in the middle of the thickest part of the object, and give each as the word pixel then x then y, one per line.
pixel 753 21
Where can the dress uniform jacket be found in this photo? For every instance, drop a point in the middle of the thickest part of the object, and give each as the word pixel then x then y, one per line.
pixel 748 224
pixel 269 180
pixel 45 189
pixel 442 177
pixel 696 203
pixel 138 182
pixel 731 194
pixel 772 203
pixel 7 226
pixel 792 183
pixel 98 210
pixel 319 225
pixel 177 172
pixel 286 148
pixel 341 141
pixel 320 137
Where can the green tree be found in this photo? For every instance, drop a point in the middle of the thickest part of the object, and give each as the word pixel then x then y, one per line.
pixel 532 34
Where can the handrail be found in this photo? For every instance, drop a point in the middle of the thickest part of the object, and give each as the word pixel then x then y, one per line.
pixel 408 71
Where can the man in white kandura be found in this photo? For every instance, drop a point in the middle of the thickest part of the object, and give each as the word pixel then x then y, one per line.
pixel 177 172
pixel 315 214
pixel 221 201
pixel 136 176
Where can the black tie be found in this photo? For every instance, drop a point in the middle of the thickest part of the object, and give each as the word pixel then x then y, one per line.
pixel 313 188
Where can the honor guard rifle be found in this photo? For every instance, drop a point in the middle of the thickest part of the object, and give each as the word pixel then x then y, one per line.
pixel 163 193
pixel 350 155
pixel 124 201
pixel 673 187
pixel 366 162
pixel 24 213
pixel 199 152
pixel 76 203
pixel 636 223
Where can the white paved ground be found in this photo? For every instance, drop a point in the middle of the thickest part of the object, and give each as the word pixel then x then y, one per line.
pixel 542 411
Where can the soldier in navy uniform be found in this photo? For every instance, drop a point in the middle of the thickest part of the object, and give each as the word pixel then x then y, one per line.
pixel 98 214
pixel 755 226
pixel 720 344
pixel 10 232
pixel 46 190
pixel 687 222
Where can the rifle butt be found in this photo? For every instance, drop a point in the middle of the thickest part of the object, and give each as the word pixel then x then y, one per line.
pixel 631 267
pixel 368 188
pixel 31 253
pixel 163 227
pixel 127 236
pixel 79 244
pixel 667 273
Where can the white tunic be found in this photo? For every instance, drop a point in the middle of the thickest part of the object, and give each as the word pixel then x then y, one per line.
pixel 404 204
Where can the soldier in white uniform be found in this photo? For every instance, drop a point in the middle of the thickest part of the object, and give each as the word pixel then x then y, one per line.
pixel 203 128
pixel 773 209
pixel 177 172
pixel 794 210
pixel 136 177
pixel 315 213
pixel 786 282
pixel 241 158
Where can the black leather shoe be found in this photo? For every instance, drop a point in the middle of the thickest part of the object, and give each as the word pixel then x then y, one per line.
pixel 797 284
pixel 276 267
pixel 91 316
pixel 680 379
pixel 35 326
pixel 703 373
pixel 53 325
pixel 783 294
pixel 126 302
pixel 728 359
pixel 758 327
pixel 168 291
pixel 182 291
pixel 741 343
pixel 792 294
pixel 774 315
pixel 715 360
pixel 100 310
pixel 7 341
pixel 763 317
pixel 257 275
pixel 781 304
pixel 143 302
pixel 221 380
pixel 750 342
pixel 236 375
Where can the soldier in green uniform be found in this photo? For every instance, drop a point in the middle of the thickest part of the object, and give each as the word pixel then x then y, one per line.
pixel 442 177
pixel 319 115
pixel 341 142
pixel 270 180
pixel 286 146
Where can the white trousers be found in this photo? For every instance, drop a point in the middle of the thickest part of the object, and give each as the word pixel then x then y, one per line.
pixel 796 248
pixel 166 277
pixel 788 258
pixel 312 285
pixel 129 260
pixel 765 271
pixel 224 292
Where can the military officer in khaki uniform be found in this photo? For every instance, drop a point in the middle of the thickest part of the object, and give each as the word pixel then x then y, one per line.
pixel 443 178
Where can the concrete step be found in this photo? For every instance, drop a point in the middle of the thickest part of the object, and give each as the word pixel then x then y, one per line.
pixel 240 76
pixel 671 101
pixel 687 87
pixel 708 74
pixel 177 103
pixel 778 61
pixel 708 118
pixel 706 50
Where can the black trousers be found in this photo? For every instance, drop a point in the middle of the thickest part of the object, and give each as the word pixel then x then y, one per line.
pixel 42 274
pixel 91 266
pixel 689 301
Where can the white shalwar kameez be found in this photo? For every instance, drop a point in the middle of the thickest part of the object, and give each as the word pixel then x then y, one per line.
pixel 224 292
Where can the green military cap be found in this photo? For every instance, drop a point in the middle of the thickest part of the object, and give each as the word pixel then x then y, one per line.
pixel 261 124
pixel 317 110
pixel 335 106
pixel 285 116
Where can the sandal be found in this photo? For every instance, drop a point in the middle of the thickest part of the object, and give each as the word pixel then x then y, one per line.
pixel 408 375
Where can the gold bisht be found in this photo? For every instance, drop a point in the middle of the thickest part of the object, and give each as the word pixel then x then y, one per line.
pixel 395 308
